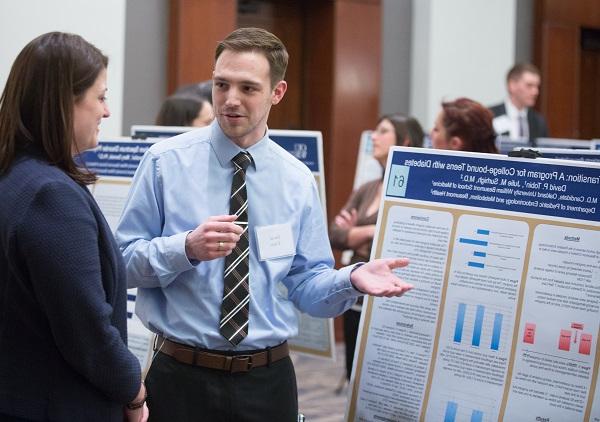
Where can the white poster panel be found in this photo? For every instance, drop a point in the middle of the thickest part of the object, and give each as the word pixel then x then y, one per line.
pixel 315 335
pixel 591 155
pixel 115 162
pixel 504 319
pixel 563 143
pixel 367 167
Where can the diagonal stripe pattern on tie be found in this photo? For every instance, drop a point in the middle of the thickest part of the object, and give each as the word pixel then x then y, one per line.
pixel 236 291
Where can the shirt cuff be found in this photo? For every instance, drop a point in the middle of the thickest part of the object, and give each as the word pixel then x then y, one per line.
pixel 355 267
pixel 178 255
pixel 345 274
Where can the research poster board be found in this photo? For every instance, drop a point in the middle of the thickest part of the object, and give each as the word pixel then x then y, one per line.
pixel 563 143
pixel 315 335
pixel 115 162
pixel 503 322
pixel 148 131
pixel 590 155
pixel 367 167
pixel 505 144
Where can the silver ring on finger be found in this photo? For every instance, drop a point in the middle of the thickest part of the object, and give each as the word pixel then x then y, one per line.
pixel 220 246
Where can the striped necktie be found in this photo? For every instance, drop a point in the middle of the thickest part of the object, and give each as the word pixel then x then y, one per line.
pixel 236 291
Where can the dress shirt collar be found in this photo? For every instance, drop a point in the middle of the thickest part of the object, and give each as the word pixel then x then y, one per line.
pixel 226 149
pixel 512 111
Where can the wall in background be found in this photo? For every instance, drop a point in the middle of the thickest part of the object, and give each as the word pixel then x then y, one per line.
pixel 459 48
pixel 101 23
pixel 396 36
pixel 145 78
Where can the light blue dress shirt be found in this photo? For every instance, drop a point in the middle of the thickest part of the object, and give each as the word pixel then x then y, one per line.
pixel 179 184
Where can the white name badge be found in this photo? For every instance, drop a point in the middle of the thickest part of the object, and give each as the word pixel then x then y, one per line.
pixel 275 241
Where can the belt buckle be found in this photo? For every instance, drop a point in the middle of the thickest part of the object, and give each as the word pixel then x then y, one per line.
pixel 241 363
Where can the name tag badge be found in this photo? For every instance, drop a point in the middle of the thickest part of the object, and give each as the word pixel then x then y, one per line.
pixel 275 241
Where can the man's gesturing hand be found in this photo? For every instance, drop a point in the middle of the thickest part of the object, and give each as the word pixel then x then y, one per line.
pixel 215 238
pixel 376 278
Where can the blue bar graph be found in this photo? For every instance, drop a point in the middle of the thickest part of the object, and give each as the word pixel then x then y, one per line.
pixel 450 412
pixel 482 231
pixel 460 322
pixel 478 325
pixel 496 332
pixel 480 254
pixel 476 264
pixel 473 241
pixel 477 416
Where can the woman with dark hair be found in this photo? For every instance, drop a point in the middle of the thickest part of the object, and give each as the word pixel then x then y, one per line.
pixel 354 227
pixel 185 110
pixel 63 332
pixel 464 125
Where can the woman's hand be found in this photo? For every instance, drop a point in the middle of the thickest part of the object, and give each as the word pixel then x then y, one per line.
pixel 346 219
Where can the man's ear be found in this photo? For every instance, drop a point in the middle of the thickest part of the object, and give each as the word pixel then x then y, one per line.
pixel 510 86
pixel 456 143
pixel 278 92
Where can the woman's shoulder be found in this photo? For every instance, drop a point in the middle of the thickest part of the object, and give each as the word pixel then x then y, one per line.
pixel 31 177
pixel 33 171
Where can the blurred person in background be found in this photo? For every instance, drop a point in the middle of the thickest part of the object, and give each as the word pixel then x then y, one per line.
pixel 464 125
pixel 515 118
pixel 185 110
pixel 201 89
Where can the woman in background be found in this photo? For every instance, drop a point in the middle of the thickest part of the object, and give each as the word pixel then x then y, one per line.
pixel 354 227
pixel 63 330
pixel 464 125
pixel 185 110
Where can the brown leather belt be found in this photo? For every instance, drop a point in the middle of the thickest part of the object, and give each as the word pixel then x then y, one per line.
pixel 231 363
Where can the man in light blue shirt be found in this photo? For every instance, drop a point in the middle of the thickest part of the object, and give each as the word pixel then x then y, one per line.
pixel 175 232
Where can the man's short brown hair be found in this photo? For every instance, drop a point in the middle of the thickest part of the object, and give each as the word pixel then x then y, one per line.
pixel 259 40
pixel 517 71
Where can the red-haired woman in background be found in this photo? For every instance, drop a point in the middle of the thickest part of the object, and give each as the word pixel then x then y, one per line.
pixel 464 125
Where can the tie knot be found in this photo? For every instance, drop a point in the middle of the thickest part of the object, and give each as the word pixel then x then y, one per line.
pixel 242 160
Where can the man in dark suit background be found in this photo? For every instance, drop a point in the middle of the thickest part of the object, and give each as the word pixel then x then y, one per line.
pixel 515 118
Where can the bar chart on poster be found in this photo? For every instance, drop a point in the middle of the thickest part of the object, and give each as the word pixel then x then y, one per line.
pixel 479 326
pixel 459 407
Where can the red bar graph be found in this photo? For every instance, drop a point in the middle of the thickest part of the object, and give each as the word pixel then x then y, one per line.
pixel 529 333
pixel 564 341
pixel 585 345
pixel 577 326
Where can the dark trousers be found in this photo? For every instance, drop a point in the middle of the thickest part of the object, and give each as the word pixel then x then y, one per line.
pixel 351 322
pixel 184 393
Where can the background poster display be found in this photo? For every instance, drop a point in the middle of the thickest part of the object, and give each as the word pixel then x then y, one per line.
pixel 570 154
pixel 315 335
pixel 115 162
pixel 158 132
pixel 504 319
pixel 367 167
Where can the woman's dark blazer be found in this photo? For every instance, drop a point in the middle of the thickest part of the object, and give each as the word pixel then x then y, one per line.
pixel 63 332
